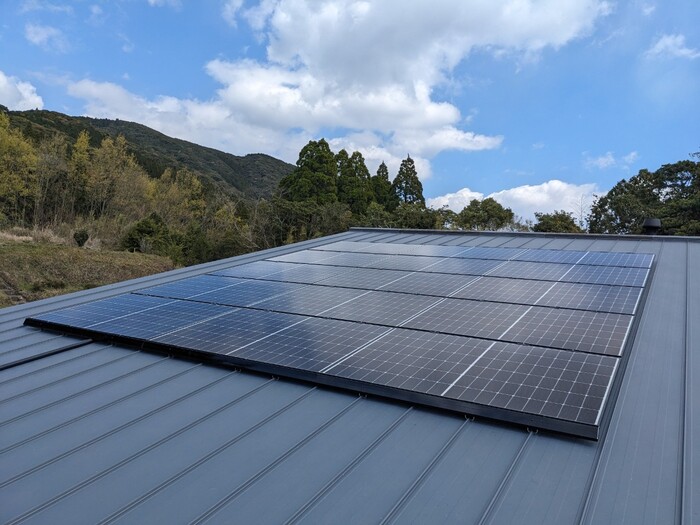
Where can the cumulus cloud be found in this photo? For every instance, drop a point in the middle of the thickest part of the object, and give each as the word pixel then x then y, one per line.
pixel 18 95
pixel 46 37
pixel 356 72
pixel 672 46
pixel 165 3
pixel 528 199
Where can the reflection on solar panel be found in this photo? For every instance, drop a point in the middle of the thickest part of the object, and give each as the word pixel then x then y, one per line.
pixel 531 336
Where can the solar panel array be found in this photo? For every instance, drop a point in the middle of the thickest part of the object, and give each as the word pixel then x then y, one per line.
pixel 532 336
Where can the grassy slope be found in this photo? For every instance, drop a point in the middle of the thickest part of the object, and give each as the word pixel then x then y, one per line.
pixel 31 271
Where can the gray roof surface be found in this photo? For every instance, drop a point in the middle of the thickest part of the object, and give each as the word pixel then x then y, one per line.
pixel 91 433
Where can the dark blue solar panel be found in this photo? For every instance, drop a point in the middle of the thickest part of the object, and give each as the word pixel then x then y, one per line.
pixel 470 318
pixel 607 275
pixel 464 266
pixel 542 381
pixel 530 336
pixel 310 300
pixel 519 291
pixel 364 278
pixel 247 293
pixel 599 333
pixel 191 287
pixel 638 260
pixel 254 270
pixel 312 345
pixel 385 308
pixel 424 283
pixel 227 333
pixel 89 314
pixel 551 256
pixel 599 298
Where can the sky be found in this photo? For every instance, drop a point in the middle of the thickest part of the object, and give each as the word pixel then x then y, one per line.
pixel 540 104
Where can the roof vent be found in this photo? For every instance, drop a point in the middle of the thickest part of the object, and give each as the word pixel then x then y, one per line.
pixel 651 226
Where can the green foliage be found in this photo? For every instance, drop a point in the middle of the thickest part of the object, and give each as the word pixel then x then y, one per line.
pixel 407 187
pixel 414 215
pixel 80 237
pixel 381 188
pixel 375 217
pixel 484 215
pixel 18 184
pixel 558 221
pixel 671 193
pixel 150 235
pixel 354 185
pixel 314 179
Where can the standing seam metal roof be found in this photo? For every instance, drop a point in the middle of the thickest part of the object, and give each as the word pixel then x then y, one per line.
pixel 92 433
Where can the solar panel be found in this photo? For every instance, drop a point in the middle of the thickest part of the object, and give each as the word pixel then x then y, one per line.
pixel 523 335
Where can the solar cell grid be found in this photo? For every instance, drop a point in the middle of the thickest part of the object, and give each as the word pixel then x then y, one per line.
pixel 522 291
pixel 312 345
pixel 463 266
pixel 342 246
pixel 542 381
pixel 579 330
pixel 247 293
pixel 385 308
pixel 227 333
pixel 306 256
pixel 599 298
pixel 470 318
pixel 607 275
pixel 89 314
pixel 532 270
pixel 191 287
pixel 309 299
pixel 404 262
pixel 639 260
pixel 363 278
pixel 500 254
pixel 424 283
pixel 550 256
pixel 416 361
pixel 160 320
pixel 411 249
pixel 305 273
pixel 254 270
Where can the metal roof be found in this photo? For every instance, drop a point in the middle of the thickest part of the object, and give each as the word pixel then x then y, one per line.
pixel 91 433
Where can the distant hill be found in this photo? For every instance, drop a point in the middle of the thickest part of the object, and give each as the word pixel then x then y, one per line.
pixel 255 175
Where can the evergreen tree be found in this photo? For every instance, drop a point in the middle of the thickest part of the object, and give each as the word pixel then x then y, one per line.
pixel 484 215
pixel 354 186
pixel 381 187
pixel 314 179
pixel 406 186
pixel 558 221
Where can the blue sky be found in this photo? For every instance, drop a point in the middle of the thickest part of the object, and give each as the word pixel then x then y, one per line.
pixel 538 103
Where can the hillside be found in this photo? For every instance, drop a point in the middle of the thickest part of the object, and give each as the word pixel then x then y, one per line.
pixel 31 270
pixel 254 175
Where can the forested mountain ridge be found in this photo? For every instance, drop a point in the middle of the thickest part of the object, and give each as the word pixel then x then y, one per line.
pixel 254 175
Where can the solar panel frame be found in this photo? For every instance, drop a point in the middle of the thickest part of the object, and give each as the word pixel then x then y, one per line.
pixel 533 412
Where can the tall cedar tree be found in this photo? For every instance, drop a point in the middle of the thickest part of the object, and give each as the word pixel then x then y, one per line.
pixel 381 187
pixel 354 186
pixel 406 186
pixel 314 179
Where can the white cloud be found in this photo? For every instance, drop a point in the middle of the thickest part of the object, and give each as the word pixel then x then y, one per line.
pixel 648 9
pixel 37 5
pixel 230 11
pixel 528 199
pixel 46 37
pixel 18 95
pixel 672 46
pixel 165 3
pixel 97 15
pixel 602 162
pixel 350 69
pixel 609 160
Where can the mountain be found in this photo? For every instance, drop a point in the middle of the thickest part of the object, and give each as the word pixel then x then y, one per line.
pixel 254 175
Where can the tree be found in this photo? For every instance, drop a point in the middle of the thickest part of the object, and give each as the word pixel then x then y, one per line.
pixel 558 221
pixel 407 186
pixel 484 215
pixel 671 193
pixel 78 168
pixel 18 185
pixel 381 187
pixel 354 186
pixel 314 178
